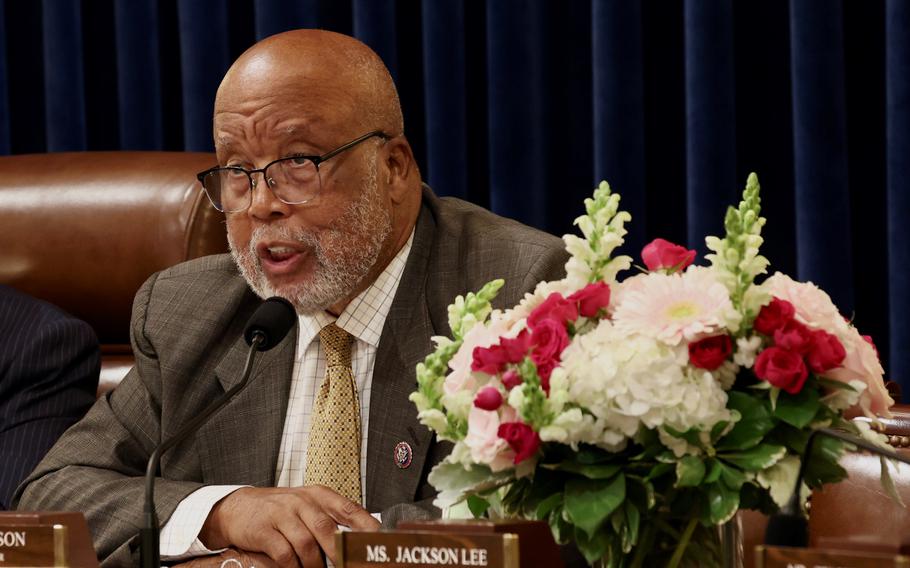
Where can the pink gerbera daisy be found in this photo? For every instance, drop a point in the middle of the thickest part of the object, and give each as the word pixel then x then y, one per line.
pixel 674 308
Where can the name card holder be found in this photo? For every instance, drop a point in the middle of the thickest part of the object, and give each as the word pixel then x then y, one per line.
pixel 786 557
pixel 397 549
pixel 45 539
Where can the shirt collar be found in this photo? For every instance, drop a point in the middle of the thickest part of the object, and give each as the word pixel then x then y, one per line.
pixel 364 317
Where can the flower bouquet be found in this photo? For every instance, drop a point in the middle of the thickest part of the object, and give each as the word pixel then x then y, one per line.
pixel 637 416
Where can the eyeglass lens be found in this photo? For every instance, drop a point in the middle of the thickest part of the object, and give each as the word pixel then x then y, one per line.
pixel 293 180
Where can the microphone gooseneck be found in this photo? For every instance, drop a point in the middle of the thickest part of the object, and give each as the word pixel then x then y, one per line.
pixel 266 328
pixel 790 527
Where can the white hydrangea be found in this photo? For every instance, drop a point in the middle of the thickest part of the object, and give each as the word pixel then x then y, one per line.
pixel 628 381
pixel 746 350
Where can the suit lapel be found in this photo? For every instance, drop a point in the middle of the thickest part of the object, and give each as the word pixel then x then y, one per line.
pixel 405 341
pixel 253 420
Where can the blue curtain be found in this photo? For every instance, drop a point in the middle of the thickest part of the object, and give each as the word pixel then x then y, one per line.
pixel 523 105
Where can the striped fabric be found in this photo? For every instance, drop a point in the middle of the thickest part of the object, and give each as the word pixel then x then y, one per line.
pixel 49 364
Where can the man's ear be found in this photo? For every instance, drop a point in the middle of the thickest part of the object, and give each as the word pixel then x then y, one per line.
pixel 400 168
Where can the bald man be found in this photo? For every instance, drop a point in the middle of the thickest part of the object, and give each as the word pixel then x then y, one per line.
pixel 324 206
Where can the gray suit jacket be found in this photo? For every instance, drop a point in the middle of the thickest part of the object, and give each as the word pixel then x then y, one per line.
pixel 186 333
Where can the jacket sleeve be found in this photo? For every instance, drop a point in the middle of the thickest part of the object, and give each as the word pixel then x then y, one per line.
pixel 98 466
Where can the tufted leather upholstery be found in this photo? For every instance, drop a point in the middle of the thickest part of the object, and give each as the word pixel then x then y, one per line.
pixel 84 230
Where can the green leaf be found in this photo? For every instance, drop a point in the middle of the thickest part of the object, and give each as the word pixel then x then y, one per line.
pixel 691 435
pixel 713 473
pixel 593 471
pixel 593 547
pixel 640 492
pixel 589 502
pixel 754 423
pixel 633 519
pixel 718 429
pixel 732 477
pixel 888 483
pixel 478 506
pixel 834 385
pixel 660 470
pixel 548 504
pixel 757 458
pixel 722 503
pixel 690 470
pixel 822 466
pixel 797 410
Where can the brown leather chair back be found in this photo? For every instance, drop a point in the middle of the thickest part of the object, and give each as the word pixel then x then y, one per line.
pixel 857 513
pixel 84 230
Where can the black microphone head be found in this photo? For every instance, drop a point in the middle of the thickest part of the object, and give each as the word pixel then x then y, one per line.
pixel 787 530
pixel 272 320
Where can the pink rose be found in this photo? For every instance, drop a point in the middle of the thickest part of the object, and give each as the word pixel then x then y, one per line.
pixel 488 398
pixel 782 368
pixel 511 379
pixel 794 336
pixel 825 353
pixel 861 363
pixel 483 438
pixel 710 352
pixel 773 316
pixel 549 339
pixel 660 254
pixel 592 298
pixel 555 308
pixel 523 440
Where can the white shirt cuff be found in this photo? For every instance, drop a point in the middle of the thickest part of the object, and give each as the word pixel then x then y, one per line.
pixel 179 537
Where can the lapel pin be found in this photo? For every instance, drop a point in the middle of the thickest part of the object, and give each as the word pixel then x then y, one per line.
pixel 403 455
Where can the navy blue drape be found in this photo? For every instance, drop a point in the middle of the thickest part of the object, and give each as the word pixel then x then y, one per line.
pixel 523 105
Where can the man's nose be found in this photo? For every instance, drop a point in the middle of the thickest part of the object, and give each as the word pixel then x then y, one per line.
pixel 264 204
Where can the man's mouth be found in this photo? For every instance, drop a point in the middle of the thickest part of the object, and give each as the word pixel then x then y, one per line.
pixel 279 258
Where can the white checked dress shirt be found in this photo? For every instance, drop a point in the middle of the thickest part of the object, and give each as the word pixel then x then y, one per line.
pixel 364 319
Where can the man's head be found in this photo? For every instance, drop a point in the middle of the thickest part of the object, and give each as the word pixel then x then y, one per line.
pixel 306 93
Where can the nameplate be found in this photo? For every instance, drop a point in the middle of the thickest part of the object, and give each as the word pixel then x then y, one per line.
pixel 396 549
pixel 32 545
pixel 785 557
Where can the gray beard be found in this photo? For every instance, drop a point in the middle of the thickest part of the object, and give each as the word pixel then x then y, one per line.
pixel 356 239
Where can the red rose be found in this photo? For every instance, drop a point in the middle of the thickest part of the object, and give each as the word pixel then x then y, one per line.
pixel 793 336
pixel 709 353
pixel 591 298
pixel 773 316
pixel 549 339
pixel 488 398
pixel 664 255
pixel 825 353
pixel 555 308
pixel 493 359
pixel 782 368
pixel 489 360
pixel 511 379
pixel 523 440
pixel 517 348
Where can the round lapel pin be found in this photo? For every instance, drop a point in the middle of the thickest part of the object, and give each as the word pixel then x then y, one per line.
pixel 403 455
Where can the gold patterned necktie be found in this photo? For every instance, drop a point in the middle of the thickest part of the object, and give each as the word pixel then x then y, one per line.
pixel 333 456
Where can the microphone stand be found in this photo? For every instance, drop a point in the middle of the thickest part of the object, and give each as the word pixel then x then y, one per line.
pixel 149 546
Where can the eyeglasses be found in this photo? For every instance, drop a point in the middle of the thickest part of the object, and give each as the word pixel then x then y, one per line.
pixel 294 179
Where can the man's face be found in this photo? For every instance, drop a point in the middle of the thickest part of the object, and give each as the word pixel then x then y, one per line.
pixel 315 254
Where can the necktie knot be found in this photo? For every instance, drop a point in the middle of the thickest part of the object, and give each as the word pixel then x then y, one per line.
pixel 336 343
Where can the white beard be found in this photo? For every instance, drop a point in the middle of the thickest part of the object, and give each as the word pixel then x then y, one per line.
pixel 355 240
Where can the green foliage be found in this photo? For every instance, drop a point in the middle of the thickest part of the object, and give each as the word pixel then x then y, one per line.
pixel 754 423
pixel 799 409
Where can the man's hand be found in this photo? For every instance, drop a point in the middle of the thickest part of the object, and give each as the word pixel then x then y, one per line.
pixel 230 558
pixel 290 525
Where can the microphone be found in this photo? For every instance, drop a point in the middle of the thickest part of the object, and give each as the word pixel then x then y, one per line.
pixel 266 328
pixel 790 527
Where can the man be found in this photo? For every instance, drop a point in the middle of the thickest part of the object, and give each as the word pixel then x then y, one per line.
pixel 49 364
pixel 325 207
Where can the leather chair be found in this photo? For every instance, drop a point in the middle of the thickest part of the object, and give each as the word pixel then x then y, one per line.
pixel 85 230
pixel 857 514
